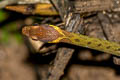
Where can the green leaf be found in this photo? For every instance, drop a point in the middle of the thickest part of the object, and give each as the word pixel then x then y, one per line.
pixel 3 15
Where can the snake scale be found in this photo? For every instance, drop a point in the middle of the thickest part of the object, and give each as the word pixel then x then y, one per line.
pixel 53 34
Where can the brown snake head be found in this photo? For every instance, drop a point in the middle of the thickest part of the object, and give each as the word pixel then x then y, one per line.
pixel 43 33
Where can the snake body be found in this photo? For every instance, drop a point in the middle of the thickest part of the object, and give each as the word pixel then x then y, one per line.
pixel 53 34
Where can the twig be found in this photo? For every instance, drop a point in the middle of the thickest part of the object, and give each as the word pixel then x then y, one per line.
pixel 107 27
pixel 61 6
pixel 8 2
pixel 64 54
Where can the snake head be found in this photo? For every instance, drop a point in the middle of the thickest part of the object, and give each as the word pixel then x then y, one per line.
pixel 43 33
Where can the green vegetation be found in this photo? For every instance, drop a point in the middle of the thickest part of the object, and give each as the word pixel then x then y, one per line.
pixel 8 29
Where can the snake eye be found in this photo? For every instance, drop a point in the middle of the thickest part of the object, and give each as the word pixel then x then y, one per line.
pixel 34 38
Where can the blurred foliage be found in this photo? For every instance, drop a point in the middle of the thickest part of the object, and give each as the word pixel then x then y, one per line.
pixel 5 36
pixel 8 29
pixel 3 15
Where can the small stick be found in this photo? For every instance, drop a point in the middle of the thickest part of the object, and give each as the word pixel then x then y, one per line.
pixel 40 9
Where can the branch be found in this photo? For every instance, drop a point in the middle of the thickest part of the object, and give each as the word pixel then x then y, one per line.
pixel 73 22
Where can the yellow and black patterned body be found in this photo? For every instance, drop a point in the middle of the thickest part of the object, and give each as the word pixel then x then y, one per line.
pixel 53 34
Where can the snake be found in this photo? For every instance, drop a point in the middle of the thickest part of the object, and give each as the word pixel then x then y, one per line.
pixel 53 34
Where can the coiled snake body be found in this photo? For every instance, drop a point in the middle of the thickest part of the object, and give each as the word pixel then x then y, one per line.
pixel 53 34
